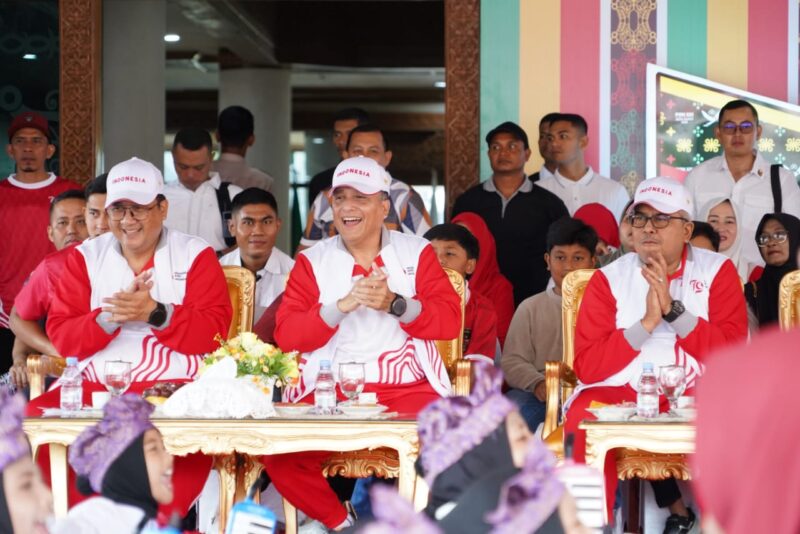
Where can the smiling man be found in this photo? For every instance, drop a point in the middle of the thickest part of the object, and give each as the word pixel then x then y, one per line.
pixel 368 295
pixel 669 303
pixel 255 225
pixel 25 198
pixel 744 176
pixel 142 293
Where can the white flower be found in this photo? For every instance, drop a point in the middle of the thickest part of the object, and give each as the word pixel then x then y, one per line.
pixel 249 340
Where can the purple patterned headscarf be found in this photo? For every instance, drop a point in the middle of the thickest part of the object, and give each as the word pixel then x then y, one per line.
pixel 450 427
pixel 125 418
pixel 529 497
pixel 13 442
pixel 395 515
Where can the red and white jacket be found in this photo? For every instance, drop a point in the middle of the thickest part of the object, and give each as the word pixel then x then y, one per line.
pixel 186 277
pixel 611 344
pixel 393 352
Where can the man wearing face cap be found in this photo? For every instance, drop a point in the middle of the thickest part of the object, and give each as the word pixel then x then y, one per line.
pixel 668 304
pixel 143 293
pixel 368 295
pixel 25 501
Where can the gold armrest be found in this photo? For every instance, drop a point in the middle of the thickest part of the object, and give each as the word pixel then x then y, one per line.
pixel 556 375
pixel 41 366
pixel 463 377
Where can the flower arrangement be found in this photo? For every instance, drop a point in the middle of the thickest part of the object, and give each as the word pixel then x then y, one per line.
pixel 255 358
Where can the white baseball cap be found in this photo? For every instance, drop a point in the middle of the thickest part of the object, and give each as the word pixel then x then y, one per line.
pixel 363 174
pixel 135 180
pixel 667 195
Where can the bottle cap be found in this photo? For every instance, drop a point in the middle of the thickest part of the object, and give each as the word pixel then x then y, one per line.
pixel 72 360
pixel 647 366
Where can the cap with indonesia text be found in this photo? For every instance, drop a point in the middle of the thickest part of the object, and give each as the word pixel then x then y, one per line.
pixel 135 180
pixel 365 175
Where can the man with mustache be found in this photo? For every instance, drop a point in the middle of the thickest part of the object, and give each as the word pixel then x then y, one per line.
pixel 668 304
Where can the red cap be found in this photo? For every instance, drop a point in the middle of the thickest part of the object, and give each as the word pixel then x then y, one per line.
pixel 29 119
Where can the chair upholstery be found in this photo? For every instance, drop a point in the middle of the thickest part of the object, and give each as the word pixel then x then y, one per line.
pixel 383 462
pixel 789 301
pixel 241 290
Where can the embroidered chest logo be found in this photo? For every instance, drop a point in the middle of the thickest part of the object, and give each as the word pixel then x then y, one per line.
pixel 698 286
pixel 409 270
pixel 179 275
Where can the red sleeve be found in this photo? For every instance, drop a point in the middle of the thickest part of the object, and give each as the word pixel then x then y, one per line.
pixel 601 349
pixel 503 303
pixel 71 323
pixel 727 315
pixel 440 317
pixel 33 299
pixel 481 319
pixel 299 325
pixel 205 312
pixel 265 327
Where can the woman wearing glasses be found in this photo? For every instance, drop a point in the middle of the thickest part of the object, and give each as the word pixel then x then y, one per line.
pixel 778 240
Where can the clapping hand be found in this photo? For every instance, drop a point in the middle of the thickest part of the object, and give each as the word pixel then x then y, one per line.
pixel 371 291
pixel 133 303
pixel 659 300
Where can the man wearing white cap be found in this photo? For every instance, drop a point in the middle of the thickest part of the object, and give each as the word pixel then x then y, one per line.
pixel 368 295
pixel 142 293
pixel 668 303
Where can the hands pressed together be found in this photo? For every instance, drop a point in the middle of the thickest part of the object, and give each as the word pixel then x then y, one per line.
pixel 133 303
pixel 659 301
pixel 371 291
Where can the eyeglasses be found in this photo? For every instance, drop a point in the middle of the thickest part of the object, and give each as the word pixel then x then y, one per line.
pixel 730 127
pixel 778 237
pixel 659 220
pixel 140 213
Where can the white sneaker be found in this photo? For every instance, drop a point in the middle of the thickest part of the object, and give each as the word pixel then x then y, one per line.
pixel 312 527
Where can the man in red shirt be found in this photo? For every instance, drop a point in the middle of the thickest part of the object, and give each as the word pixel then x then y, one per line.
pixel 25 198
pixel 33 301
pixel 368 295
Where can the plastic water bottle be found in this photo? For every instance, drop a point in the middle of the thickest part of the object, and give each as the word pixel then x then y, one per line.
pixel 71 387
pixel 325 390
pixel 647 398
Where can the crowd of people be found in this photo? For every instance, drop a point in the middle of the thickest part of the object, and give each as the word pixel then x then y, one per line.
pixel 130 267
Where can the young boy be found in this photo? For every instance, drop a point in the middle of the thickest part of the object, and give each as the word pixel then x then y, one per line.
pixel 534 336
pixel 458 249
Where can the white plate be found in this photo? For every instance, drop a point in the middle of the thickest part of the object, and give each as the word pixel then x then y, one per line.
pixel 613 413
pixel 286 409
pixel 686 413
pixel 367 410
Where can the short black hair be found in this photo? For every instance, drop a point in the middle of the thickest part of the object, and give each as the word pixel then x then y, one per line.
pixel 367 128
pixel 703 229
pixel 570 231
pixel 352 114
pixel 96 186
pixel 511 128
pixel 548 119
pixel 737 104
pixel 65 195
pixel 253 195
pixel 625 211
pixel 192 139
pixel 235 126
pixel 457 233
pixel 575 120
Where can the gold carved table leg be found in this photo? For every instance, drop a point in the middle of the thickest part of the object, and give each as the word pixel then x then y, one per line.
pixel 58 478
pixel 226 467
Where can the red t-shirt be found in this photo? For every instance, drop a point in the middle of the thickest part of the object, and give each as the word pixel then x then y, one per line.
pixel 33 300
pixel 480 320
pixel 24 214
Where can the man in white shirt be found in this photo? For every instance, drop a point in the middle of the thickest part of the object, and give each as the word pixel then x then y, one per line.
pixel 235 133
pixel 574 182
pixel 550 165
pixel 195 207
pixel 255 225
pixel 743 175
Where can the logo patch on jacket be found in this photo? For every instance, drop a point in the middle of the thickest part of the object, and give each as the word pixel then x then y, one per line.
pixel 698 286
pixel 179 275
pixel 409 270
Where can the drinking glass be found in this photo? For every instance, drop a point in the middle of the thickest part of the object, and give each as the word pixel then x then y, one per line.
pixel 117 377
pixel 672 379
pixel 351 380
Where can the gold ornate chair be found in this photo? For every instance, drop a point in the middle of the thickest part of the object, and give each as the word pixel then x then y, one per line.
pixel 241 290
pixel 383 462
pixel 789 301
pixel 560 382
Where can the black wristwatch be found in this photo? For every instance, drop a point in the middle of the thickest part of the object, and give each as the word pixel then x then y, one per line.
pixel 398 306
pixel 158 316
pixel 675 311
